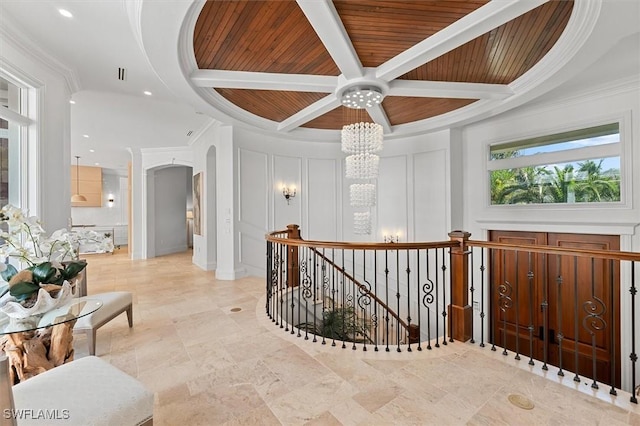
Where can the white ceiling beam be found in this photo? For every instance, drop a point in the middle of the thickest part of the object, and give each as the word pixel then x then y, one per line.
pixel 314 110
pixel 264 81
pixel 475 24
pixel 447 89
pixel 324 19
pixel 378 115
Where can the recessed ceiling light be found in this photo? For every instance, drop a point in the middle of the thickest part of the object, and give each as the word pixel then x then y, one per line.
pixel 148 93
pixel 65 13
pixel 72 102
pixel 85 136
pixel 92 150
pixel 97 164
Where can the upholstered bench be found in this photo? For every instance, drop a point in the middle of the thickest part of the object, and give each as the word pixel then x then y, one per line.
pixel 87 391
pixel 113 304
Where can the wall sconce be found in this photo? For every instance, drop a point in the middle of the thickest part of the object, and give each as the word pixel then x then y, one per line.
pixel 288 193
pixel 391 238
pixel 110 200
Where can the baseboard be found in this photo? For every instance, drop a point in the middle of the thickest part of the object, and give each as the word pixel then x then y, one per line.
pixel 228 275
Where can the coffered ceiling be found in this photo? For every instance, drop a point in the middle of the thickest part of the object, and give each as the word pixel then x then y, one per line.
pixel 290 62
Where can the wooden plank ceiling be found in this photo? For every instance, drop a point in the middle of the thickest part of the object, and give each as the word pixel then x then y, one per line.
pixel 275 37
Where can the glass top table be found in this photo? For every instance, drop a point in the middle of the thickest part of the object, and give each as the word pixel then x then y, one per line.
pixel 73 310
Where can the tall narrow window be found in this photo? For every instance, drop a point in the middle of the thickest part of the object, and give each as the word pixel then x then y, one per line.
pixel 13 143
pixel 580 166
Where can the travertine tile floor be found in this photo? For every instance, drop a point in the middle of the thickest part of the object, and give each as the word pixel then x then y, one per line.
pixel 210 366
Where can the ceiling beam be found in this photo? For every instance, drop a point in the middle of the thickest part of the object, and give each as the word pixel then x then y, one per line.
pixel 307 114
pixel 471 26
pixel 448 89
pixel 378 115
pixel 264 81
pixel 324 19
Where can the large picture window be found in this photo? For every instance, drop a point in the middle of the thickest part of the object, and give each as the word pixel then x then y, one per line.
pixel 580 166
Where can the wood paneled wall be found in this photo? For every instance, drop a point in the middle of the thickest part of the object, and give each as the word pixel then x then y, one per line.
pixel 90 185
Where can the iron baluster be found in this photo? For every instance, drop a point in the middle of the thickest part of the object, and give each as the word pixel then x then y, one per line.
pixel 504 302
pixel 612 339
pixel 419 310
pixel 517 306
pixel 545 311
pixel 559 310
pixel 576 377
pixel 471 291
pixel 593 321
pixel 444 299
pixel 374 318
pixel 386 284
pixel 493 310
pixel 633 357
pixel 482 269
pixel 427 299
pixel 530 281
pixel 398 297
pixel 408 302
pixel 344 301
pixel 437 316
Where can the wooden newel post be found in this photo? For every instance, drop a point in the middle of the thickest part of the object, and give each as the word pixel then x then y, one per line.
pixel 293 269
pixel 460 312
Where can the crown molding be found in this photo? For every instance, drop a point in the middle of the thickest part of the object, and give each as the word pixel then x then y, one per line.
pixel 11 35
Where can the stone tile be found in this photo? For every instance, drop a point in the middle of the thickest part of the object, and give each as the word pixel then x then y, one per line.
pixel 210 366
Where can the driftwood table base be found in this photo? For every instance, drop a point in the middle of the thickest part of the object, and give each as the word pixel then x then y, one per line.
pixel 34 352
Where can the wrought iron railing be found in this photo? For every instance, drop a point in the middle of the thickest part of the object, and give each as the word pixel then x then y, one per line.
pixel 571 308
pixel 379 295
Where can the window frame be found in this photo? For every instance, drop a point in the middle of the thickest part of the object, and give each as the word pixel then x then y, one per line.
pixel 621 149
pixel 23 145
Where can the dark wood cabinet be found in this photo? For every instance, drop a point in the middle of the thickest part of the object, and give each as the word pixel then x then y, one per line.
pixel 564 309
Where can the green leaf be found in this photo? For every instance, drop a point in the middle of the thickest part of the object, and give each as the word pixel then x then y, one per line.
pixel 8 273
pixel 73 268
pixel 44 272
pixel 23 290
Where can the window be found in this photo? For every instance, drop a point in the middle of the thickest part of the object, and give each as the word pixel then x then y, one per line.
pixel 13 122
pixel 580 166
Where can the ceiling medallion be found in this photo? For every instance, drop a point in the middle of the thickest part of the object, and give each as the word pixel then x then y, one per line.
pixel 361 97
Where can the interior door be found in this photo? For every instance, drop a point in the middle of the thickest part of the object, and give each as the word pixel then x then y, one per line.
pixel 582 315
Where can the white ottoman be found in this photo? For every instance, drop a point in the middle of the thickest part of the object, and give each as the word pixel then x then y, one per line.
pixel 87 391
pixel 113 304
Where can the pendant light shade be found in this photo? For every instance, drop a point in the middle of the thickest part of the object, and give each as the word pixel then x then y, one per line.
pixel 77 197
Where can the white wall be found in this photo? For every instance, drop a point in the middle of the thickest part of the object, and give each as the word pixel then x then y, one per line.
pixel 413 191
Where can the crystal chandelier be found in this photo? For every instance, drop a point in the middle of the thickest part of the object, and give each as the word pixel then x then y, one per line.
pixel 362 194
pixel 362 223
pixel 362 140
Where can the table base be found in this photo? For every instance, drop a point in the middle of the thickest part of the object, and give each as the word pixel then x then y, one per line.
pixel 33 352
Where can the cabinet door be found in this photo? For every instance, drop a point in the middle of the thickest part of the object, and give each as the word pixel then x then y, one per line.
pixel 582 319
pixel 587 302
pixel 516 281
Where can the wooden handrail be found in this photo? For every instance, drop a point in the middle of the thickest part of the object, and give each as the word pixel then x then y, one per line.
pixel 357 245
pixel 364 288
pixel 601 254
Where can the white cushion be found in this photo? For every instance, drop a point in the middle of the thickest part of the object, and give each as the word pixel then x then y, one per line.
pixel 92 391
pixel 112 302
